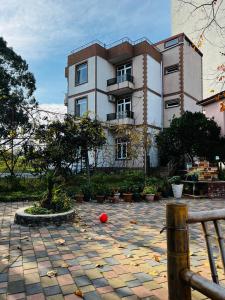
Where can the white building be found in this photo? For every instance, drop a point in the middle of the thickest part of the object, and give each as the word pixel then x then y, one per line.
pixel 137 84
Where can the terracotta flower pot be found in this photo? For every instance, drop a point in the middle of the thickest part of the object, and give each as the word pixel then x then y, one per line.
pixel 100 198
pixel 127 197
pixel 79 197
pixel 150 197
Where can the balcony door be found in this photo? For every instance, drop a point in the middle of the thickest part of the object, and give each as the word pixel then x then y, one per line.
pixel 123 71
pixel 123 108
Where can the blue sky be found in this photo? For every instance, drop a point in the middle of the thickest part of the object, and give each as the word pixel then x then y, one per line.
pixel 45 31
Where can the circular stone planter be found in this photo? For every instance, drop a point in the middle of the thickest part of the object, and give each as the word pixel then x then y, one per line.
pixel 23 218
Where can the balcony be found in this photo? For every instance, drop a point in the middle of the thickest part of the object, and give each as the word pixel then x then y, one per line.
pixel 120 84
pixel 125 118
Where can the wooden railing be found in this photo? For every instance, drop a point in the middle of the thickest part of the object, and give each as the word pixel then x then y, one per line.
pixel 180 278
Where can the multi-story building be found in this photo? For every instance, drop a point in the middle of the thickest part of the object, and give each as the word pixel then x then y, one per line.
pixel 134 85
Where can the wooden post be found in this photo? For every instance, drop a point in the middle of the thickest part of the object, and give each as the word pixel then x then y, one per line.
pixel 177 251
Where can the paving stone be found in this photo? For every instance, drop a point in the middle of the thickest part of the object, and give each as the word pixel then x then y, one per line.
pixel 124 292
pixel 82 281
pixel 34 288
pixel 55 297
pixel 52 290
pixel 100 282
pixel 16 287
pixel 92 296
pixel 68 289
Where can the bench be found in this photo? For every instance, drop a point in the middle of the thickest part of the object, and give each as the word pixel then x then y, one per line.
pixel 180 277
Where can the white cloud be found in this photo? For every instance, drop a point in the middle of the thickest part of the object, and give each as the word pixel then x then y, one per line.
pixel 37 28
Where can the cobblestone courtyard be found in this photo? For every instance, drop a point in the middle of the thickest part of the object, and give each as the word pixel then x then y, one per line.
pixel 122 259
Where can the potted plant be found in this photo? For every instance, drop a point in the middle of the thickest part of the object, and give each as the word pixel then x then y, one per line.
pixel 100 193
pixel 79 197
pixel 149 192
pixel 126 191
pixel 177 186
pixel 115 195
pixel 136 193
pixel 166 188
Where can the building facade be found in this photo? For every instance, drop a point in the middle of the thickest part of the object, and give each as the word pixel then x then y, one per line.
pixel 134 88
pixel 183 19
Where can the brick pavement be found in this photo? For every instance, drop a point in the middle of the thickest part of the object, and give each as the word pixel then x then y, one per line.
pixel 122 259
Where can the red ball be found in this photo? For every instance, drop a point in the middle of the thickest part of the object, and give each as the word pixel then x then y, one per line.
pixel 103 217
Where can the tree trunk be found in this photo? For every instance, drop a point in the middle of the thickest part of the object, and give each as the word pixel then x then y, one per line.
pixel 86 156
pixel 47 201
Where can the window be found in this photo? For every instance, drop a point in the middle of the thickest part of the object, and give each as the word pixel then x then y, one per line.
pixel 123 108
pixel 80 107
pixel 171 43
pixel 122 148
pixel 171 69
pixel 172 103
pixel 81 74
pixel 123 72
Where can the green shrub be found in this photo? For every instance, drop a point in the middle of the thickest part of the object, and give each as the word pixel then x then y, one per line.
pixel 38 210
pixel 150 189
pixel 175 180
pixel 60 201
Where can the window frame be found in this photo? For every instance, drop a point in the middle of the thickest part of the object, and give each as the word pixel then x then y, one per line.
pixel 76 70
pixel 171 101
pixel 75 105
pixel 123 142
pixel 166 69
pixel 124 100
pixel 171 40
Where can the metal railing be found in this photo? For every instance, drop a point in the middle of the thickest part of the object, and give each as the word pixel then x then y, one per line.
pixel 119 79
pixel 180 278
pixel 113 44
pixel 120 115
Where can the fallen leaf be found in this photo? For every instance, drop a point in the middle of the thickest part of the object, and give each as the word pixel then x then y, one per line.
pixel 78 293
pixel 121 246
pixel 99 266
pixel 64 265
pixel 60 242
pixel 219 266
pixel 83 230
pixel 130 256
pixel 26 237
pixel 133 222
pixel 51 273
pixel 153 273
pixel 157 258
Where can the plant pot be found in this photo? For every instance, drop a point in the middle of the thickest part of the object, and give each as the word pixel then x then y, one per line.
pixel 137 197
pixel 100 198
pixel 116 197
pixel 127 197
pixel 79 198
pixel 150 197
pixel 177 190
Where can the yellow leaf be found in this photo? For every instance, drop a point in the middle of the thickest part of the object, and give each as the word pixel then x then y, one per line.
pixel 133 222
pixel 51 273
pixel 78 293
pixel 157 258
pixel 60 242
pixel 64 265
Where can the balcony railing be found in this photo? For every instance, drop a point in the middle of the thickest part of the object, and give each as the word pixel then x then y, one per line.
pixel 121 115
pixel 119 79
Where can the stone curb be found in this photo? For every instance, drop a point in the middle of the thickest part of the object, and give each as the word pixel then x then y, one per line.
pixel 23 218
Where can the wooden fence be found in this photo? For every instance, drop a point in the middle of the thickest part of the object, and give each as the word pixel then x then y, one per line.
pixel 180 278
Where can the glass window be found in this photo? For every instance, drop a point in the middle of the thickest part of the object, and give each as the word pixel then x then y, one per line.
pixel 123 108
pixel 171 43
pixel 80 107
pixel 172 103
pixel 81 74
pixel 122 148
pixel 171 69
pixel 124 72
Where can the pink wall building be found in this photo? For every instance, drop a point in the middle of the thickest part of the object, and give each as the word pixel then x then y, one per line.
pixel 214 107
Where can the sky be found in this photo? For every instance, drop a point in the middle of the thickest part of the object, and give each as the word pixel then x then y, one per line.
pixel 44 32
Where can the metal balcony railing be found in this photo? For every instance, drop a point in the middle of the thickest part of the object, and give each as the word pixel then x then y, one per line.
pixel 120 115
pixel 119 79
